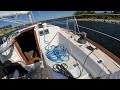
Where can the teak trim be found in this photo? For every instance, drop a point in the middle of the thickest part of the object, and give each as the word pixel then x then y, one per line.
pixel 37 43
pixel 114 57
pixel 27 29
pixel 21 53
pixel 19 49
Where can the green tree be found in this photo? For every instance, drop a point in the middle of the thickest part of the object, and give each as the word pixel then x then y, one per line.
pixel 79 12
pixel 90 12
pixel 116 12
pixel 105 11
pixel 83 12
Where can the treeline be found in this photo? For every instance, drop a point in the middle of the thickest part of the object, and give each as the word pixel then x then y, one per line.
pixel 7 26
pixel 94 15
pixel 90 14
pixel 93 12
pixel 5 29
pixel 84 12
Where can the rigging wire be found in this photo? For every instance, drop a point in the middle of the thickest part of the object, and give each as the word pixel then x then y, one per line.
pixel 96 48
pixel 85 61
pixel 100 33
pixel 54 22
pixel 76 24
pixel 50 41
pixel 102 63
pixel 99 59
pixel 71 47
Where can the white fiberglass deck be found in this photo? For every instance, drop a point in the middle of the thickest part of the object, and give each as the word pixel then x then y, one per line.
pixel 78 52
pixel 54 31
pixel 97 55
pixel 70 64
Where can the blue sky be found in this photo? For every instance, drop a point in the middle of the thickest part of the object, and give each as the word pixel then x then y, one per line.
pixel 42 15
pixel 51 14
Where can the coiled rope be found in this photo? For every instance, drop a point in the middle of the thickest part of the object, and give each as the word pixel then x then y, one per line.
pixel 57 53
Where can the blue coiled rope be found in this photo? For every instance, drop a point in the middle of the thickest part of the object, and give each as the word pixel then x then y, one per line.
pixel 57 53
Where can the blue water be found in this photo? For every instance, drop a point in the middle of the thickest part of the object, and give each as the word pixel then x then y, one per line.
pixel 111 29
pixel 108 43
pixel 108 28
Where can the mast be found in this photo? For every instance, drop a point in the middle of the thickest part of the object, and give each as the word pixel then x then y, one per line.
pixel 31 17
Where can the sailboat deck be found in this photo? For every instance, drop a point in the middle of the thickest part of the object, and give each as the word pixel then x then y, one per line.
pixel 77 54
pixel 98 54
pixel 70 64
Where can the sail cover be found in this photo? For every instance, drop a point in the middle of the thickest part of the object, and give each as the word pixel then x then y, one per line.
pixel 11 13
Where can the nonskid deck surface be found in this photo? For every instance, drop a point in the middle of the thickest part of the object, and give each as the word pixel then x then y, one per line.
pixel 70 63
pixel 42 73
pixel 64 38
pixel 108 62
pixel 35 71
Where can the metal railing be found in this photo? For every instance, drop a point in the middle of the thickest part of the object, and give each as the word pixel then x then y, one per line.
pixel 71 23
pixel 76 24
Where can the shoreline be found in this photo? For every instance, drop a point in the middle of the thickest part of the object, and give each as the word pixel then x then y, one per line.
pixel 101 20
pixel 85 19
pixel 7 32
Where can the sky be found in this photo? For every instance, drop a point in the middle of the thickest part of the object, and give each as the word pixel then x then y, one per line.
pixel 41 15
